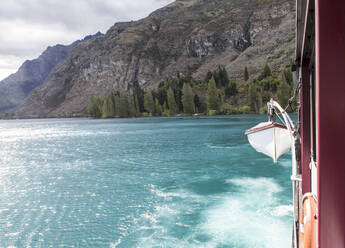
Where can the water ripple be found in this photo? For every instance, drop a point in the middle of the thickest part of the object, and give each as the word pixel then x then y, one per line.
pixel 160 182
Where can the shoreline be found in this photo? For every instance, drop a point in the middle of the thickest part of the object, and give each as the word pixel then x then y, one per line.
pixel 132 117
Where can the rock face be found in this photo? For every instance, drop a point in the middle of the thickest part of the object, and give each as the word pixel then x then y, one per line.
pixel 33 73
pixel 192 36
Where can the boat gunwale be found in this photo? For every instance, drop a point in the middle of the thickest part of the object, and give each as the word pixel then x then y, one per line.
pixel 258 129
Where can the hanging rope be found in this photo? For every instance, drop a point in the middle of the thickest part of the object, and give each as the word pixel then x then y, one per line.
pixel 271 112
pixel 280 118
pixel 296 92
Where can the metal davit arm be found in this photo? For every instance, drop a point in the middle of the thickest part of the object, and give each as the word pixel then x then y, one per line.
pixel 295 177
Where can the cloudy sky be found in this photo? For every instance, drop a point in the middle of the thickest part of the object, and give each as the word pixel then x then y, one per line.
pixel 27 27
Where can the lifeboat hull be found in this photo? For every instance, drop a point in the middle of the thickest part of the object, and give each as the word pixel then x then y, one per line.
pixel 270 138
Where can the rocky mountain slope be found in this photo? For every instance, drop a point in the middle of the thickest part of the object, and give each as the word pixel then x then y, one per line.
pixel 33 73
pixel 187 36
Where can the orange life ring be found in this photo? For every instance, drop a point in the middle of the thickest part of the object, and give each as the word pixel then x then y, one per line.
pixel 308 221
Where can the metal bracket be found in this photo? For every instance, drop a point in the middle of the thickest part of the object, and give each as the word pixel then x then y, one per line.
pixel 297 178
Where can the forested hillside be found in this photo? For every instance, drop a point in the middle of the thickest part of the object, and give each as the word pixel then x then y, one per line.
pixel 216 94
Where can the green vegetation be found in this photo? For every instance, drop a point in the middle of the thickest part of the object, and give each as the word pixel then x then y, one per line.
pixel 94 107
pixel 214 95
pixel 265 73
pixel 231 90
pixel 284 92
pixel 246 74
pixel 253 97
pixel 171 102
pixel 188 99
pixel 149 103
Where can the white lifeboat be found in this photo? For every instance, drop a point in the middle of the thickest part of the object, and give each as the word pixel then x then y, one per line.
pixel 270 138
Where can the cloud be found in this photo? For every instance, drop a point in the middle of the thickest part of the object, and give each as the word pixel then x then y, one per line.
pixel 28 27
pixel 9 64
pixel 23 38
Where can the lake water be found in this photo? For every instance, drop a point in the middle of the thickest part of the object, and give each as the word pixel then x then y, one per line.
pixel 149 182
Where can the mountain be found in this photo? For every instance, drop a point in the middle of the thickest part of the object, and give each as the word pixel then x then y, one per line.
pixel 187 36
pixel 33 73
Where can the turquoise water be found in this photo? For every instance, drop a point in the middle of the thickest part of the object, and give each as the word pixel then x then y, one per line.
pixel 150 182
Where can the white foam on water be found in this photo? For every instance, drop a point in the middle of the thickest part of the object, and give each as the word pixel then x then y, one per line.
pixel 212 146
pixel 240 218
pixel 234 147
pixel 153 227
pixel 256 183
pixel 284 162
pixel 248 217
pixel 151 217
pixel 115 244
pixel 283 210
pixel 170 195
pixel 216 147
pixel 13 234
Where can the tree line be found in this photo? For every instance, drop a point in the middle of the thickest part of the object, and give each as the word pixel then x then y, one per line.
pixel 216 94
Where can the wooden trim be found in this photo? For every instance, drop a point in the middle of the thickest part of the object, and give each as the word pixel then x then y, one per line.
pixel 258 129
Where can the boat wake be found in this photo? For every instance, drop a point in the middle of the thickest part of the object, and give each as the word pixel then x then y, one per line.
pixel 248 215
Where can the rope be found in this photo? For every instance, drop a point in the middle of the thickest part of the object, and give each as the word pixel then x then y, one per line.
pixel 280 118
pixel 296 91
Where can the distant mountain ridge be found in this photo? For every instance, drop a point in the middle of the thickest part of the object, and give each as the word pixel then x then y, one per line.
pixel 187 36
pixel 33 73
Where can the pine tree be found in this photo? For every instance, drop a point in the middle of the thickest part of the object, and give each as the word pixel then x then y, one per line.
pixel 288 76
pixel 231 90
pixel 212 96
pixel 158 108
pixel 258 99
pixel 208 76
pixel 223 75
pixel 121 106
pixel 171 102
pixel 139 95
pixel 188 99
pixel 108 108
pixel 162 95
pixel 94 108
pixel 166 111
pixel 149 104
pixel 246 74
pixel 117 105
pixel 112 104
pixel 252 97
pixel 179 99
pixel 197 103
pixel 266 72
pixel 105 110
pixel 216 78
pixel 136 104
pixel 124 106
pixel 132 106
pixel 284 92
